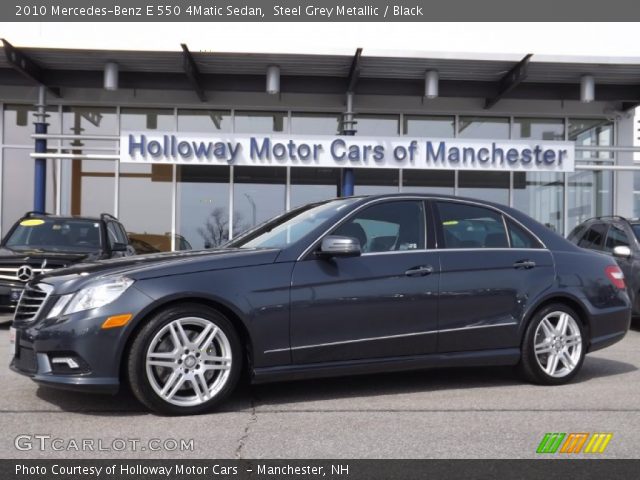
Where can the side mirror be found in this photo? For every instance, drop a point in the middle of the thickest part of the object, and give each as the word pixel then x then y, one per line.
pixel 337 246
pixel 621 251
pixel 119 247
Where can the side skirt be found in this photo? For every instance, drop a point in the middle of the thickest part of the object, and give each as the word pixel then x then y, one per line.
pixel 505 356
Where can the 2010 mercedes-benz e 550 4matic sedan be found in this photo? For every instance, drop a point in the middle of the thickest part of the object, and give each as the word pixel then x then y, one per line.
pixel 346 286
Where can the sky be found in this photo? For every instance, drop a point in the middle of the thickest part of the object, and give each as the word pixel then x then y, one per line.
pixel 502 40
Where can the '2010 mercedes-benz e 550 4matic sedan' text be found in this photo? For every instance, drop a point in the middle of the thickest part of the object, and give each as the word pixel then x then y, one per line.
pixel 347 286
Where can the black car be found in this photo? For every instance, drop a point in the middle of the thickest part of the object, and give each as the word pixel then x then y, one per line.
pixel 616 236
pixel 347 286
pixel 39 243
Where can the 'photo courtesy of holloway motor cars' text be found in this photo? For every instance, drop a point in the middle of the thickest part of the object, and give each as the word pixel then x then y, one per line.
pixel 294 239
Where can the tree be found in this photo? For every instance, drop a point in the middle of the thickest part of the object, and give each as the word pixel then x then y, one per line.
pixel 215 231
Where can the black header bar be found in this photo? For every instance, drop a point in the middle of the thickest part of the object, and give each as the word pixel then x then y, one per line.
pixel 323 11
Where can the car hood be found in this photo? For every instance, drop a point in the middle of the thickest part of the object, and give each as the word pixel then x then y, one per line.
pixel 140 267
pixel 36 257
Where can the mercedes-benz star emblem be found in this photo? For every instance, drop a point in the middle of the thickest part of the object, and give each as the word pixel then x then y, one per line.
pixel 25 273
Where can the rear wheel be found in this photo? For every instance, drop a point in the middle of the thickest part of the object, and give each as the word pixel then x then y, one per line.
pixel 185 360
pixel 554 346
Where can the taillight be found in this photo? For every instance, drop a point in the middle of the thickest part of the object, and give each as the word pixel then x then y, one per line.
pixel 615 275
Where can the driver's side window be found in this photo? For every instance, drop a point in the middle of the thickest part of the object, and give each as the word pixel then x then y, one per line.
pixel 388 226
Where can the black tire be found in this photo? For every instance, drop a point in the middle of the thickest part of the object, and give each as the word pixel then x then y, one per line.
pixel 529 366
pixel 136 359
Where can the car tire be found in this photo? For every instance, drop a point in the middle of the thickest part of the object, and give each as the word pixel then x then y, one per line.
pixel 185 360
pixel 552 353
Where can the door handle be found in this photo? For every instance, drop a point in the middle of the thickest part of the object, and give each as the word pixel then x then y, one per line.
pixel 419 271
pixel 526 264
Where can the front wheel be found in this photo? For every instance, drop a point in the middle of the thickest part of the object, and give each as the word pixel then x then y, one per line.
pixel 554 346
pixel 185 360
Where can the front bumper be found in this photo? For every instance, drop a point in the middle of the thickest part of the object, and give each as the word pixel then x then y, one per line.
pixel 42 347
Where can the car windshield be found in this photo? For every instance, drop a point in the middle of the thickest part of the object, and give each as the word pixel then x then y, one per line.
pixel 290 227
pixel 55 235
pixel 636 230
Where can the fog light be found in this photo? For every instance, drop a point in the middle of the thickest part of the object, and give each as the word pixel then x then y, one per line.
pixel 68 361
pixel 117 321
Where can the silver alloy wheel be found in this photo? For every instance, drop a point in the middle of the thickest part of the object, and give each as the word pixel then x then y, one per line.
pixel 188 361
pixel 558 344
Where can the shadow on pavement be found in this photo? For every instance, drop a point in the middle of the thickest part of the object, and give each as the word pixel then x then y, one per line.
pixel 246 396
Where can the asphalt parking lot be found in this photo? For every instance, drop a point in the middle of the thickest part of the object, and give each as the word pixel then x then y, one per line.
pixel 459 413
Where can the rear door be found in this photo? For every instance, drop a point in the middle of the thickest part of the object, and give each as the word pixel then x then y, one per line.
pixel 490 268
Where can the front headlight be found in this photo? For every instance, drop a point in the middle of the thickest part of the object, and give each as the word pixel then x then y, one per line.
pixel 96 295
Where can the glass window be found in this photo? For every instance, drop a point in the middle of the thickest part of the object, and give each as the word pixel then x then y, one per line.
pixel 538 128
pixel 488 128
pixel 19 120
pixel 161 119
pixel 154 180
pixel 520 238
pixel 490 186
pixel 469 226
pixel 203 206
pixel 258 195
pixel 114 234
pixel 594 238
pixel 315 123
pixel 56 234
pixel 377 125
pixel 428 181
pixel 590 195
pixel 541 196
pixel 292 226
pixel 429 126
pixel 589 133
pixel 576 233
pixel 18 170
pixel 261 122
pixel 388 226
pixel 89 121
pixel 313 184
pixel 372 181
pixel 616 237
pixel 204 121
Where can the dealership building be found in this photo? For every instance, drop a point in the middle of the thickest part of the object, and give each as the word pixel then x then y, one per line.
pixel 85 132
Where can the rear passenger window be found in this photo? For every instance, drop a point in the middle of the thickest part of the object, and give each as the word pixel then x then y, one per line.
pixel 469 226
pixel 593 239
pixel 520 238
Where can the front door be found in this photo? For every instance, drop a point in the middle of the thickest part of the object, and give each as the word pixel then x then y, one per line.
pixel 380 304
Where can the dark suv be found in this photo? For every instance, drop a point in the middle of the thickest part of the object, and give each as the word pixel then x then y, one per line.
pixel 38 243
pixel 616 236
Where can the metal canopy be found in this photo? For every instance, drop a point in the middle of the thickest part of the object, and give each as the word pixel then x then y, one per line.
pixel 22 63
pixel 479 76
pixel 511 80
pixel 193 74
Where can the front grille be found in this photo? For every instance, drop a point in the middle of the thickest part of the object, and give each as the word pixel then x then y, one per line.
pixel 22 273
pixel 31 302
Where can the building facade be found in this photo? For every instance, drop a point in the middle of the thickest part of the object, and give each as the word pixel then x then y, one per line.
pixel 198 205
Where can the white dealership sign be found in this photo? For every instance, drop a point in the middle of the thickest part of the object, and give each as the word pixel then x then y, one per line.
pixel 346 152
